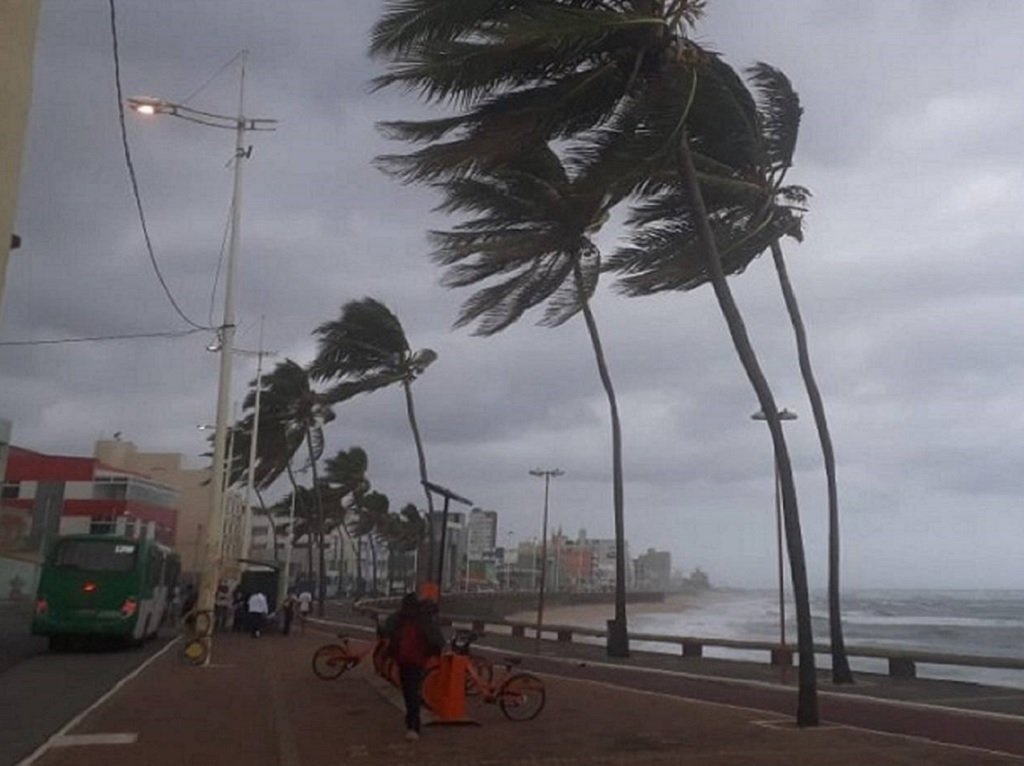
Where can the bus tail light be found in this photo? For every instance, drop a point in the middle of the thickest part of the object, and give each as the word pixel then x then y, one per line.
pixel 42 606
pixel 89 587
pixel 129 607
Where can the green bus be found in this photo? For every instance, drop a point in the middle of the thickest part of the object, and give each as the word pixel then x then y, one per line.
pixel 104 585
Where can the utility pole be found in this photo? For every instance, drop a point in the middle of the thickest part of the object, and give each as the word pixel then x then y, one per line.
pixel 547 474
pixel 214 553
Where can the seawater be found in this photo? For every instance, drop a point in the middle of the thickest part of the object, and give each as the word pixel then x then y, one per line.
pixel 977 622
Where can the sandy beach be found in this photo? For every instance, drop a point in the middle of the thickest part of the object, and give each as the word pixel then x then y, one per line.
pixel 594 615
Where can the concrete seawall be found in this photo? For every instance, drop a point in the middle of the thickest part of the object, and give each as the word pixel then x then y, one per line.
pixel 499 605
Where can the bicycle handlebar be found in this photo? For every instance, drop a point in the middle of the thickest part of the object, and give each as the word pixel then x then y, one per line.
pixel 462 640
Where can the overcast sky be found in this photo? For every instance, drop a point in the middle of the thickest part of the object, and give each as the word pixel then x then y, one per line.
pixel 911 282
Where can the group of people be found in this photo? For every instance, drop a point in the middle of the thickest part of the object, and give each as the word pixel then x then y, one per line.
pixel 242 611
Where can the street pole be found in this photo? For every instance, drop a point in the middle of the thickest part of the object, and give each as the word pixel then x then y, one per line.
pixel 784 415
pixel 213 554
pixel 547 474
pixel 253 439
pixel 283 585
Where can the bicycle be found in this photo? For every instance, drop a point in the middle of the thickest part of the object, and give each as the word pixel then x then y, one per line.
pixel 331 661
pixel 521 696
pixel 198 627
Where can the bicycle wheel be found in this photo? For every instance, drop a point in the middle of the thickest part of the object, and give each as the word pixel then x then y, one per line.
pixel 330 661
pixel 484 670
pixel 522 697
pixel 204 624
pixel 195 652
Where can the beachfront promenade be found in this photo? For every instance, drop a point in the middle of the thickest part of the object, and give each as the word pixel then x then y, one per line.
pixel 259 704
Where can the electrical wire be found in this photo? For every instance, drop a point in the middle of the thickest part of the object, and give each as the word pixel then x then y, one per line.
pixel 134 181
pixel 98 338
pixel 220 258
pixel 212 77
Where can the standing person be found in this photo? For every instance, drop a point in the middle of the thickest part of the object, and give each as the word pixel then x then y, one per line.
pixel 413 637
pixel 221 607
pixel 239 603
pixel 288 611
pixel 258 610
pixel 305 606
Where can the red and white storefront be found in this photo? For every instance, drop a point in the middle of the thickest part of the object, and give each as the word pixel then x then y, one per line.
pixel 47 494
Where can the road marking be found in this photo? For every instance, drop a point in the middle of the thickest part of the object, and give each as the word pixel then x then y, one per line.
pixel 287 743
pixel 76 740
pixel 43 748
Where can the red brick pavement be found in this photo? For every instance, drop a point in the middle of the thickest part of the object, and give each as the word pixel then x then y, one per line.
pixel 259 704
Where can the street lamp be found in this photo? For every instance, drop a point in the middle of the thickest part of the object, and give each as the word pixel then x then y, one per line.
pixel 226 335
pixel 448 496
pixel 547 474
pixel 783 415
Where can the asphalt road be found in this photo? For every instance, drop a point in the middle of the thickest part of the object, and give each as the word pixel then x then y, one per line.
pixel 16 643
pixel 41 691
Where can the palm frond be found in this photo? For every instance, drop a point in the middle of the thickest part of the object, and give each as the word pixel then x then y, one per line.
pixel 779 113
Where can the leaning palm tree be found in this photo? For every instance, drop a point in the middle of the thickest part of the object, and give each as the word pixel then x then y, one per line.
pixel 619 79
pixel 295 414
pixel 366 349
pixel 748 215
pixel 530 238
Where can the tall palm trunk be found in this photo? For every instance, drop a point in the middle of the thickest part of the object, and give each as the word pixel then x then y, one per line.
pixel 373 566
pixel 422 458
pixel 321 585
pixel 807 703
pixel 841 673
pixel 360 589
pixel 618 634
pixel 309 526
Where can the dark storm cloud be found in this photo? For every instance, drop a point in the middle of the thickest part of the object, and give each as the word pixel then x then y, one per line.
pixel 909 279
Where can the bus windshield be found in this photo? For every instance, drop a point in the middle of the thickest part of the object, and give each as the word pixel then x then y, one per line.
pixel 96 555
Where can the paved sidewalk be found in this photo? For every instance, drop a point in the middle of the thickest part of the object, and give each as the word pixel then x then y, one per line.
pixel 260 705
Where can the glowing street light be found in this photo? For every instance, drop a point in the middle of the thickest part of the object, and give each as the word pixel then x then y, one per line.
pixel 240 124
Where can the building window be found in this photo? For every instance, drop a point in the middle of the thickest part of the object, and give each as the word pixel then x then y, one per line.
pixel 101 526
pixel 10 491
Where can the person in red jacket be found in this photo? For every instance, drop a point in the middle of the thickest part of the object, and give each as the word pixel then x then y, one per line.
pixel 413 638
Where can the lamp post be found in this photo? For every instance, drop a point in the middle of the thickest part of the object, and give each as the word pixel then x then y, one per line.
pixel 250 482
pixel 547 475
pixel 448 496
pixel 783 416
pixel 226 334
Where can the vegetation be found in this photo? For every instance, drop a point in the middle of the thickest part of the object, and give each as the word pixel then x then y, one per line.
pixel 637 108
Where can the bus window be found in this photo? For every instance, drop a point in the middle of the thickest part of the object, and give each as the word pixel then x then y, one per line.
pixel 153 573
pixel 96 555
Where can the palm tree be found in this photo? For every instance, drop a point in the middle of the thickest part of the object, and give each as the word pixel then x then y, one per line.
pixel 369 511
pixel 617 81
pixel 294 414
pixel 366 349
pixel 665 255
pixel 531 238
pixel 405 532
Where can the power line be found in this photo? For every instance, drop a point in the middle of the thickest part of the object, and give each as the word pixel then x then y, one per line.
pixel 99 338
pixel 211 78
pixel 220 259
pixel 134 181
